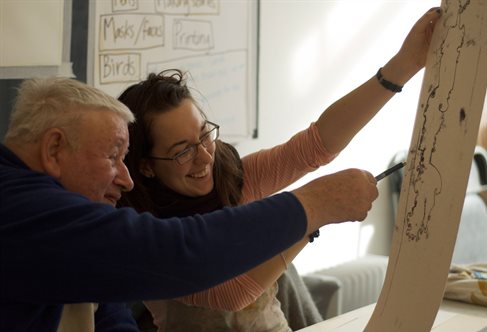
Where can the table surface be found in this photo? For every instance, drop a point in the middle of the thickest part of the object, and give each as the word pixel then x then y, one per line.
pixel 464 308
pixel 451 316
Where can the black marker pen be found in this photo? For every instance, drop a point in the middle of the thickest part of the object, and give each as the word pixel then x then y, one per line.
pixel 390 171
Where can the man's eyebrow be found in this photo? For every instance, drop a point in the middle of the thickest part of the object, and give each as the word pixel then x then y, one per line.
pixel 119 143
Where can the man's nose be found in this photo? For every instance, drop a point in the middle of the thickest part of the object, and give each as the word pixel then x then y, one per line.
pixel 124 179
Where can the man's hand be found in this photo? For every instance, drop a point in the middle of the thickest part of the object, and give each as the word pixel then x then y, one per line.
pixel 343 196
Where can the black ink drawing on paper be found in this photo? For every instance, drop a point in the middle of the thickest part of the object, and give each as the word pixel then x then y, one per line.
pixel 438 164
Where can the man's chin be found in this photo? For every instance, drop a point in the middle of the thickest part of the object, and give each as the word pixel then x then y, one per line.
pixel 110 201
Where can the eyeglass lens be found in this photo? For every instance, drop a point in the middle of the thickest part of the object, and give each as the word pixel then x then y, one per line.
pixel 191 151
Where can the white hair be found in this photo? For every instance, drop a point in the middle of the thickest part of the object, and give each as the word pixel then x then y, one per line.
pixel 57 102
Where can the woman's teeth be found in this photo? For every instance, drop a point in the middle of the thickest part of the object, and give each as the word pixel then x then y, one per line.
pixel 199 174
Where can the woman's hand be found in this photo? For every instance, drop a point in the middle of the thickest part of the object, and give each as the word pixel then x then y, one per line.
pixel 411 57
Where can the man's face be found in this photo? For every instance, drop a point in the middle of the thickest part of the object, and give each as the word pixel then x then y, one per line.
pixel 95 168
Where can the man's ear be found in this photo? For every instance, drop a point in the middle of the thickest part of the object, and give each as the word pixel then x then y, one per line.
pixel 145 168
pixel 53 144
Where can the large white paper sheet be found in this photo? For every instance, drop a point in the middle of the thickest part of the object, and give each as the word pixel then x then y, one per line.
pixel 438 165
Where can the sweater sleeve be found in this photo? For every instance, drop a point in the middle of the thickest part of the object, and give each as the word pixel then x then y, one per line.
pixel 270 170
pixel 58 247
pixel 232 295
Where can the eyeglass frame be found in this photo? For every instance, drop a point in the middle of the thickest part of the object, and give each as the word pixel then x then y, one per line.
pixel 193 147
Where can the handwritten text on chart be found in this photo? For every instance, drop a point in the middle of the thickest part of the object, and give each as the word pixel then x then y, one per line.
pixel 131 31
pixel 119 67
pixel 124 5
pixel 192 35
pixel 186 7
pixel 221 79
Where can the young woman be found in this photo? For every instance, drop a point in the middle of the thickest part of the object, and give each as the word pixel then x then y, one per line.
pixel 180 167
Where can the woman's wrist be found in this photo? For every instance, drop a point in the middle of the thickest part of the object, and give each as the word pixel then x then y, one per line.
pixel 398 71
pixel 391 86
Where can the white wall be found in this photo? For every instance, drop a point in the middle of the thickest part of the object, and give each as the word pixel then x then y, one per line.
pixel 311 53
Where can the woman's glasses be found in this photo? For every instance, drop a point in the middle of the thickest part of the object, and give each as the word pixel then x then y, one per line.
pixel 191 151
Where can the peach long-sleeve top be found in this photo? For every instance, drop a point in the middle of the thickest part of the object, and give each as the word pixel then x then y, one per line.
pixel 265 172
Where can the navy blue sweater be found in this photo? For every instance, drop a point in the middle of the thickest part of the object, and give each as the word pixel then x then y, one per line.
pixel 59 247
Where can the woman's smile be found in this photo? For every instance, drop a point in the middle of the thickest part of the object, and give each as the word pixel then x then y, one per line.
pixel 201 174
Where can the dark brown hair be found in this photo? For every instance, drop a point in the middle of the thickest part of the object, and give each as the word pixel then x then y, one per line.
pixel 161 93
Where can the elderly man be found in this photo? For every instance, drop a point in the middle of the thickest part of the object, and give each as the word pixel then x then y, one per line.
pixel 64 246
